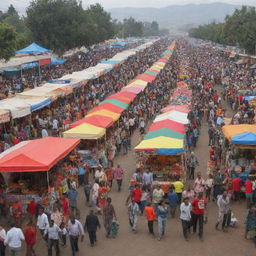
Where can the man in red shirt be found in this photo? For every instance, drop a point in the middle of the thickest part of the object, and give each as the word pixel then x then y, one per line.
pixel 136 195
pixel 199 208
pixel 248 192
pixel 32 209
pixel 150 214
pixel 236 184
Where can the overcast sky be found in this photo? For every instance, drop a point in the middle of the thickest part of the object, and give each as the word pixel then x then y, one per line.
pixel 21 5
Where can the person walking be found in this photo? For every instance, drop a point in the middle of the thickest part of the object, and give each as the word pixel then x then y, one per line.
pixel 173 201
pixel 185 216
pixel 223 203
pixel 136 196
pixel 52 232
pixel 119 175
pixel 150 215
pixel 199 207
pixel 192 163
pixel 157 196
pixel 108 215
pixel 199 184
pixel 2 238
pixel 147 179
pixel 133 211
pixel 178 188
pixel 162 212
pixel 72 196
pixel 91 225
pixel 42 221
pixel 30 238
pixel 14 238
pixel 75 229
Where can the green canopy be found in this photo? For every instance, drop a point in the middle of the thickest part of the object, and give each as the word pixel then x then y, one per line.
pixel 151 73
pixel 165 132
pixel 116 103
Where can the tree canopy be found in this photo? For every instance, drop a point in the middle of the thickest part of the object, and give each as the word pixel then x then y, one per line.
pixel 238 29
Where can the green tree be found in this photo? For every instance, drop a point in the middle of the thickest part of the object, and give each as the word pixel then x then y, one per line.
pixel 60 24
pixel 7 41
pixel 131 27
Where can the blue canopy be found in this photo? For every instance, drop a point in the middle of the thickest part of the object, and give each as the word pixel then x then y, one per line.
pixel 40 105
pixel 30 65
pixel 248 98
pixel 33 49
pixel 57 61
pixel 169 151
pixel 111 62
pixel 247 138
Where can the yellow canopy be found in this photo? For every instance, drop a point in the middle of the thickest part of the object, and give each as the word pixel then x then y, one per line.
pixel 86 132
pixel 160 64
pixel 160 142
pixel 105 112
pixel 138 82
pixel 232 130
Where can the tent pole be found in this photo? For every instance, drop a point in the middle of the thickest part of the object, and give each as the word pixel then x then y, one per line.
pixel 47 175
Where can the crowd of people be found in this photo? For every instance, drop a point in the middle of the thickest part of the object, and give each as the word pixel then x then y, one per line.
pixel 189 201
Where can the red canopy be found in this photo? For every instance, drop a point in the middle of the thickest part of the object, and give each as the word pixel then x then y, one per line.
pixel 125 94
pixel 96 120
pixel 180 108
pixel 146 77
pixel 36 155
pixel 108 106
pixel 132 89
pixel 120 98
pixel 172 125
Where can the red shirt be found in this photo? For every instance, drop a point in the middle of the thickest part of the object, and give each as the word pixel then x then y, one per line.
pixel 248 187
pixel 32 207
pixel 30 235
pixel 150 213
pixel 199 205
pixel 136 194
pixel 236 184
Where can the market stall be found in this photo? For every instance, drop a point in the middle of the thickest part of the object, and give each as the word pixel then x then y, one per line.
pixel 30 169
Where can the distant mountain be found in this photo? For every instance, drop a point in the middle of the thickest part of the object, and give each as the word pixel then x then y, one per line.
pixel 177 16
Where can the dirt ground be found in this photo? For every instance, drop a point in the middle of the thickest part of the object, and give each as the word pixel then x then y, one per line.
pixel 216 243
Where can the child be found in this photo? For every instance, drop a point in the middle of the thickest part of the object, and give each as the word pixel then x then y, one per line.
pixel 63 233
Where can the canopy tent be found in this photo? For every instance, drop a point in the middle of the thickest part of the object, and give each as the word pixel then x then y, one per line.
pixel 104 112
pixel 232 130
pixel 124 94
pixel 133 89
pixel 115 102
pixel 120 98
pixel 138 82
pixel 108 106
pixel 247 138
pixel 173 115
pixel 36 155
pixel 162 145
pixel 85 131
pixel 172 125
pixel 56 61
pixel 165 132
pixel 33 49
pixel 97 120
pixel 180 108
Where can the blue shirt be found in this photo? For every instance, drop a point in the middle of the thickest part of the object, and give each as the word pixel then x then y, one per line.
pixel 72 195
pixel 81 170
pixel 173 198
pixel 162 212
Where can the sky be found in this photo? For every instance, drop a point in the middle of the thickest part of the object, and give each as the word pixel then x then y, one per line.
pixel 21 5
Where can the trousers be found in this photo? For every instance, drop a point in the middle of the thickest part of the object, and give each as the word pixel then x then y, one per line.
pixel 74 244
pixel 161 225
pixel 92 236
pixel 200 219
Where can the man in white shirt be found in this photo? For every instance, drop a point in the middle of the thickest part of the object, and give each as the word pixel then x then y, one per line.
pixel 53 238
pixel 75 229
pixel 55 127
pixel 42 221
pixel 185 216
pixel 147 179
pixel 13 239
pixel 44 133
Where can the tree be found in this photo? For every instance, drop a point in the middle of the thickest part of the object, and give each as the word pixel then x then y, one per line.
pixel 60 24
pixel 7 41
pixel 131 27
pixel 102 22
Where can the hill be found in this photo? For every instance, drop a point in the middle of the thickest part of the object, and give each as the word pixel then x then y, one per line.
pixel 177 16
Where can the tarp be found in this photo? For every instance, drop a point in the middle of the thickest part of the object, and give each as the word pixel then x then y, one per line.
pixel 104 112
pixel 162 145
pixel 97 120
pixel 40 104
pixel 115 102
pixel 247 138
pixel 165 132
pixel 36 155
pixel 172 125
pixel 173 115
pixel 109 107
pixel 180 108
pixel 232 130
pixel 33 49
pixel 57 61
pixel 120 98
pixel 132 89
pixel 86 132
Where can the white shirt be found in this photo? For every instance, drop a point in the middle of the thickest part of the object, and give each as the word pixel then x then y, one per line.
pixel 42 221
pixel 55 124
pixel 185 211
pixel 2 234
pixel 53 232
pixel 14 237
pixel 75 229
pixel 44 133
pixel 131 121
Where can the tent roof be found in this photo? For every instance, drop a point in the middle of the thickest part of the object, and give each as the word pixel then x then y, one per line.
pixel 108 106
pixel 115 102
pixel 232 130
pixel 165 132
pixel 172 125
pixel 247 138
pixel 133 89
pixel 97 120
pixel 33 49
pixel 85 131
pixel 125 94
pixel 104 112
pixel 180 108
pixel 36 155
pixel 120 98
pixel 174 115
